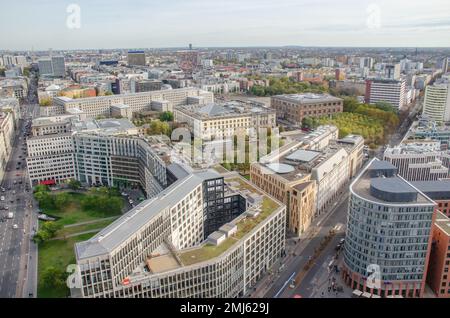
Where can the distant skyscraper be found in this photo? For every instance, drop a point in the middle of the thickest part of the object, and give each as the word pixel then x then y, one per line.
pixel 59 66
pixel 45 66
pixel 136 58
pixel 446 65
pixel 190 46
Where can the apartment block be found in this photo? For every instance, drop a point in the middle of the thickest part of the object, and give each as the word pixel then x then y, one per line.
pixel 389 91
pixel 437 102
pixel 294 108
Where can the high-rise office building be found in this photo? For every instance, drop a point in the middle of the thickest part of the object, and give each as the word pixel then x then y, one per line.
pixel 392 71
pixel 59 66
pixel 388 238
pixel 52 66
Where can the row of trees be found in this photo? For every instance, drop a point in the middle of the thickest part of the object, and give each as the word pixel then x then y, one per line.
pixel 285 85
pixel 373 122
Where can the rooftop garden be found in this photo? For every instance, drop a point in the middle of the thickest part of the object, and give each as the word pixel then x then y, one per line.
pixel 244 226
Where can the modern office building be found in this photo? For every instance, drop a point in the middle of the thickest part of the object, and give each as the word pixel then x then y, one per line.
pixel 7 133
pixel 430 130
pixel 136 58
pixel 52 66
pixel 438 191
pixel 308 180
pixel 208 121
pixel 141 86
pixel 101 106
pixel 294 108
pixel 160 248
pixel 388 238
pixel 437 102
pixel 389 91
pixel 94 152
pixel 59 66
pixel 419 160
pixel 438 272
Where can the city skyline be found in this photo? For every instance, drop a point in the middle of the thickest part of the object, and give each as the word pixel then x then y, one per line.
pixel 153 24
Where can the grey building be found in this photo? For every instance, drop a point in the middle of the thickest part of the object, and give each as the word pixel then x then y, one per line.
pixel 388 236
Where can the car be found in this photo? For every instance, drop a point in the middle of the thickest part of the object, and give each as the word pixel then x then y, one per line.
pixel 2 198
pixel 342 241
pixel 15 226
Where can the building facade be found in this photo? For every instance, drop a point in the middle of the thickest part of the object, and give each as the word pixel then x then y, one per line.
pixel 437 102
pixel 294 108
pixel 388 237
pixel 389 91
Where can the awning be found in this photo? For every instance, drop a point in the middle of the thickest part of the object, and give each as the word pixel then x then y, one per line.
pixel 48 182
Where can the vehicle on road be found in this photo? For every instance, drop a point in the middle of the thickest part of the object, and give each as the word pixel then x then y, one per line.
pixel 10 215
pixel 2 198
pixel 15 226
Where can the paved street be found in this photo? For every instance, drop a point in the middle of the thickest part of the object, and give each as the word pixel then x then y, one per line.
pixel 16 248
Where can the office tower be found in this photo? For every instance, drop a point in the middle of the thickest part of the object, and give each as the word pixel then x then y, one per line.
pixel 45 66
pixel 136 58
pixel 59 67
pixel 52 66
pixel 437 102
pixel 389 91
pixel 388 238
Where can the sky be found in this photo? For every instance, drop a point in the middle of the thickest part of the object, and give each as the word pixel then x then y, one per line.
pixel 43 24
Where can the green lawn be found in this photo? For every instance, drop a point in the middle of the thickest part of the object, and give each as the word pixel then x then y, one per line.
pixel 59 254
pixel 74 213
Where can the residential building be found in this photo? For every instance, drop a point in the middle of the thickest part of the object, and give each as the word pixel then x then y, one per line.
pixel 223 120
pixel 159 249
pixel 388 237
pixel 294 108
pixel 437 102
pixel 389 91
pixel 7 133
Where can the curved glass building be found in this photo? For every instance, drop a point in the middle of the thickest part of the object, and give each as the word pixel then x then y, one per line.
pixel 388 234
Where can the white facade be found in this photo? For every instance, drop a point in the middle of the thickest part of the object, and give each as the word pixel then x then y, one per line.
pixel 437 102
pixel 392 92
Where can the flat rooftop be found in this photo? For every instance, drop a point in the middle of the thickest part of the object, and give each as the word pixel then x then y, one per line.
pixel 396 186
pixel 127 225
pixel 224 110
pixel 414 148
pixel 308 98
pixel 244 226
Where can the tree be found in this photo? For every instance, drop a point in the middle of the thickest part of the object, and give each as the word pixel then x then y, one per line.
pixel 61 200
pixel 46 201
pixel 74 184
pixel 54 278
pixel 51 228
pixel 41 188
pixel 108 93
pixel 166 116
